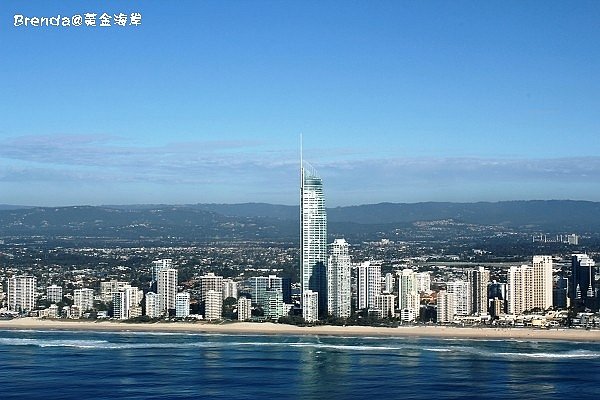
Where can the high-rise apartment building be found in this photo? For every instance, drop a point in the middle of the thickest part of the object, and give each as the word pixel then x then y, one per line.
pixel 167 289
pixel 313 236
pixel 153 305
pixel 386 305
pixel 389 283
pixel 259 285
pixel 478 280
pixel 54 293
pixel 108 288
pixel 446 309
pixel 213 308
pixel 338 280
pixel 244 308
pixel 408 295
pixel 126 302
pixel 542 282
pixel 423 282
pixel 159 265
pixel 368 284
pixel 310 306
pixel 83 299
pixel 274 307
pixel 583 293
pixel 497 298
pixel 519 286
pixel 182 305
pixel 209 282
pixel 230 289
pixel 460 290
pixel 22 293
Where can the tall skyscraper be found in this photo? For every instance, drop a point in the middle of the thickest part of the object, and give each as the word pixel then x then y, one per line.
pixel 152 305
pixel 583 292
pixel 313 236
pixel 230 289
pixel 338 280
pixel 310 305
pixel 369 285
pixel 520 282
pixel 126 302
pixel 478 280
pixel 208 282
pixel 446 309
pixel 542 282
pixel 21 293
pixel 167 289
pixel 214 305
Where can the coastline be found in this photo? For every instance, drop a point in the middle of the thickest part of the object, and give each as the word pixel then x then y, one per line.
pixel 267 328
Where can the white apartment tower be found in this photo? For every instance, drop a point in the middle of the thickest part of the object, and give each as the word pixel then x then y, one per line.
pixel 369 284
pixel 460 290
pixel 126 302
pixel 159 265
pixel 446 308
pixel 54 293
pixel 386 303
pixel 542 282
pixel 152 305
pixel 182 305
pixel 519 286
pixel 21 293
pixel 230 289
pixel 310 306
pixel 423 282
pixel 408 295
pixel 213 306
pixel 209 282
pixel 388 284
pixel 313 236
pixel 338 280
pixel 244 308
pixel 167 289
pixel 83 299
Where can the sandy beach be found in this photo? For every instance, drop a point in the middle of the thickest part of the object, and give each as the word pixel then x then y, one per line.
pixel 279 329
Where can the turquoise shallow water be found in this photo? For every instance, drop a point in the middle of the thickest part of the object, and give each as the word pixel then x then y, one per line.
pixel 126 365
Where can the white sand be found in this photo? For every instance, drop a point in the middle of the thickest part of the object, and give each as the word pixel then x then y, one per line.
pixel 280 329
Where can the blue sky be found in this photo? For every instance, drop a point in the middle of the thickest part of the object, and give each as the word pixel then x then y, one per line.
pixel 400 101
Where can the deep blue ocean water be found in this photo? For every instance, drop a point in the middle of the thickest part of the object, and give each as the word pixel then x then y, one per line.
pixel 127 365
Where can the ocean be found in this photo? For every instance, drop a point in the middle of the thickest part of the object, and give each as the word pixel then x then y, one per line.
pixel 133 365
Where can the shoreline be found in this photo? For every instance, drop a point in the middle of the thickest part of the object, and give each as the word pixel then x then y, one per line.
pixel 272 329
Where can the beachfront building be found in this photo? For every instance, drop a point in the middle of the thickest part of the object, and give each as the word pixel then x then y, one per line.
pixel 108 288
pixel 446 308
pixel 338 280
pixel 244 308
pixel 182 305
pixel 519 284
pixel 54 293
pixel 313 238
pixel 230 289
pixel 152 305
pixel 22 293
pixel 385 305
pixel 423 282
pixel 167 290
pixel 310 306
pixel 460 290
pixel 208 282
pixel 126 302
pixel 478 280
pixel 408 295
pixel 368 284
pixel 159 265
pixel 83 299
pixel 274 307
pixel 259 285
pixel 583 293
pixel 213 305
pixel 542 282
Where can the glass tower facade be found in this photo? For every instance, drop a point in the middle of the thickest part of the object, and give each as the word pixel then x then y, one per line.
pixel 313 236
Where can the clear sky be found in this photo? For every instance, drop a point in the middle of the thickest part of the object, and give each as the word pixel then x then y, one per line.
pixel 399 101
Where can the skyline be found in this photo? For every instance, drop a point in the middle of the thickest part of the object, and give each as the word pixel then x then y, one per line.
pixel 397 102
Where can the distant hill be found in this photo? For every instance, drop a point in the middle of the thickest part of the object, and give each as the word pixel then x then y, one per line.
pixel 251 221
pixel 542 213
